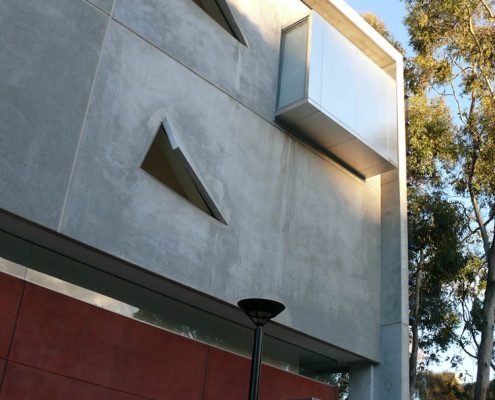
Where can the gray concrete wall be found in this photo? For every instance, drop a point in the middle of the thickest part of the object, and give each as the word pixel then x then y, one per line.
pixel 48 56
pixel 83 93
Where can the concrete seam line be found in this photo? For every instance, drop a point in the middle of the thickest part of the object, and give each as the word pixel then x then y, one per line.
pixel 83 126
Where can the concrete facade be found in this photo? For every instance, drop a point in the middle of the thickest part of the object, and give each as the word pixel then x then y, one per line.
pixel 84 87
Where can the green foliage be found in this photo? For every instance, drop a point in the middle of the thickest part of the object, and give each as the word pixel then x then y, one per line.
pixel 436 261
pixel 452 34
pixel 440 386
pixel 455 45
pixel 429 139
pixel 339 380
pixel 380 27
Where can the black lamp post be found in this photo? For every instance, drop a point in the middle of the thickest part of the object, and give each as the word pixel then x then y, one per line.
pixel 260 311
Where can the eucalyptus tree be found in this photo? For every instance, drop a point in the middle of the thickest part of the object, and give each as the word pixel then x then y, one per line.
pixel 436 260
pixel 454 41
pixel 436 226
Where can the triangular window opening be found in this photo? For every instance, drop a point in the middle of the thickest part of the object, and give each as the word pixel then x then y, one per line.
pixel 166 162
pixel 221 13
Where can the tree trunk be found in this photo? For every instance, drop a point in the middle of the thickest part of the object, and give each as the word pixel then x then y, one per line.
pixel 486 345
pixel 413 358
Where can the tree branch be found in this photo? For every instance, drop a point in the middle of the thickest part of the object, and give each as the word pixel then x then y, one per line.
pixel 472 194
pixel 491 218
pixel 458 103
pixel 480 48
pixel 488 9
pixel 462 70
pixel 481 225
pixel 472 232
pixel 463 347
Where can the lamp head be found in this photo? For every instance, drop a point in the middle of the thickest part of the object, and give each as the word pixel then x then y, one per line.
pixel 260 311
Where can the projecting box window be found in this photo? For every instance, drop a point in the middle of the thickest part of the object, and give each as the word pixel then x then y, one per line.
pixel 338 96
pixel 221 13
pixel 167 162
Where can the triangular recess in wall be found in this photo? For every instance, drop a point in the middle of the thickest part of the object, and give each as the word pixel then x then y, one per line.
pixel 167 162
pixel 220 11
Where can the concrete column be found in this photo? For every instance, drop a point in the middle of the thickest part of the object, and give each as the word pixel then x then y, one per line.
pixel 362 382
pixel 392 375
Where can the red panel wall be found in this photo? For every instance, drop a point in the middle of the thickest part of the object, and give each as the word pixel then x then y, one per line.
pixel 228 378
pixel 10 296
pixel 57 347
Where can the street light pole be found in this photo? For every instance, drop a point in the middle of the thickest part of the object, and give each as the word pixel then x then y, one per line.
pixel 254 382
pixel 259 311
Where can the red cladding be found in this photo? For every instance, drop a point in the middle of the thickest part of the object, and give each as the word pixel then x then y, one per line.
pixel 69 337
pixel 10 296
pixel 227 376
pixel 26 383
pixel 2 364
pixel 277 385
pixel 66 349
